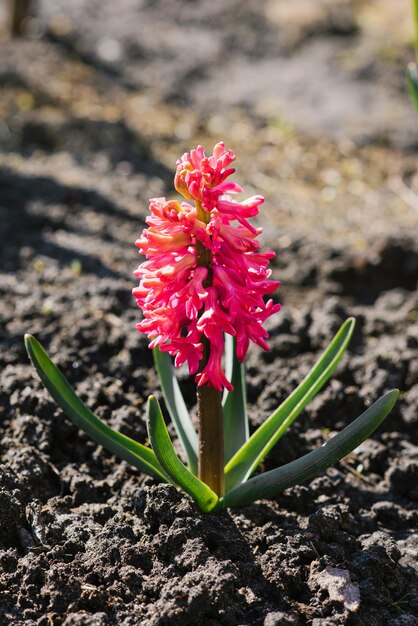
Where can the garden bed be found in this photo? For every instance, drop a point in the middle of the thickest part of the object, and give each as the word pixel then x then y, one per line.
pixel 84 538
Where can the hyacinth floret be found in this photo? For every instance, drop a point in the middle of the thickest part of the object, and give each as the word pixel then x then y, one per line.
pixel 204 274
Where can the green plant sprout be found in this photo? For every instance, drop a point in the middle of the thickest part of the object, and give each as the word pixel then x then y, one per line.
pixel 412 72
pixel 202 292
pixel 402 603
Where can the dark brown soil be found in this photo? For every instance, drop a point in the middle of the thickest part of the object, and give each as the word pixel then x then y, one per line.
pixel 95 106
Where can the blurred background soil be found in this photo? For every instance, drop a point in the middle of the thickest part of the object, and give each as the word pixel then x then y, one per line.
pixel 98 99
pixel 310 95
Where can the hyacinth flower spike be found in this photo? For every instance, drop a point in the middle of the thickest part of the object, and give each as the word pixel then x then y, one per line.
pixel 204 292
pixel 205 278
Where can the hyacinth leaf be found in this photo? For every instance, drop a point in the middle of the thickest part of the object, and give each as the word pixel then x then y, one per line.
pixel 412 72
pixel 61 391
pixel 412 79
pixel 247 459
pixel 234 403
pixel 161 443
pixel 177 407
pixel 310 465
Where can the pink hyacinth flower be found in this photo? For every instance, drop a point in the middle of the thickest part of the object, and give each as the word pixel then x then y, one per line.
pixel 204 274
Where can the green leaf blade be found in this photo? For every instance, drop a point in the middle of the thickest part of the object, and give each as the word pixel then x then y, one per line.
pixel 177 407
pixel 246 460
pixel 61 391
pixel 234 403
pixel 412 81
pixel 310 465
pixel 175 469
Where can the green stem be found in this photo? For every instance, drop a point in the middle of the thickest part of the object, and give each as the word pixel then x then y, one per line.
pixel 211 436
pixel 209 400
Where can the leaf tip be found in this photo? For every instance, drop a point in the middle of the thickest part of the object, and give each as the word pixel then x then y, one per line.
pixel 152 401
pixel 30 342
pixel 411 68
pixel 153 408
pixel 351 322
pixel 394 394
